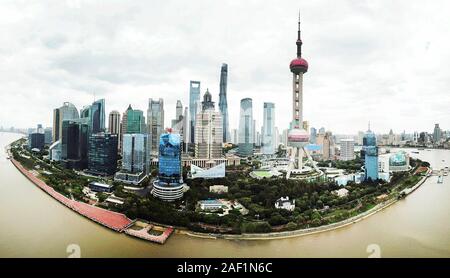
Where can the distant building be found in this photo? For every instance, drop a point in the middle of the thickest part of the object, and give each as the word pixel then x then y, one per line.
pixel 155 122
pixel 437 134
pixel 285 203
pixel 194 100
pixel 48 135
pixel 136 158
pixel 180 124
pixel 246 129
pixel 234 136
pixel 223 105
pixel 169 186
pixel 114 122
pixel 268 134
pixel 102 154
pixel 313 135
pixel 347 149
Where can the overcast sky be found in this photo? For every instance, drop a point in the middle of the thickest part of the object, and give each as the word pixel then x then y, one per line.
pixel 383 61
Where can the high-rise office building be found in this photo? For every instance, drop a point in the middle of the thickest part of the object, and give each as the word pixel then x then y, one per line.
pixel 66 112
pixel 347 149
pixel 246 129
pixel 268 134
pixel 194 99
pixel 234 136
pixel 169 186
pixel 114 122
pixel 437 134
pixel 186 135
pixel 180 124
pixel 74 144
pixel 133 121
pixel 208 130
pixel 223 104
pixel 136 158
pixel 179 110
pixel 102 153
pixel 155 121
pixel 36 139
pixel 313 135
pixel 48 134
pixel 97 116
pixel 371 156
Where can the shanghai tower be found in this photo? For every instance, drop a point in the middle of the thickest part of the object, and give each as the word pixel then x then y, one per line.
pixel 223 106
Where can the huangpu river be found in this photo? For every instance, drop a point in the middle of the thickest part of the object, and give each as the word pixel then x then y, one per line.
pixel 34 225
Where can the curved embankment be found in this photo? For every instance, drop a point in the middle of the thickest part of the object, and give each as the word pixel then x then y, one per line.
pixel 110 219
pixel 309 231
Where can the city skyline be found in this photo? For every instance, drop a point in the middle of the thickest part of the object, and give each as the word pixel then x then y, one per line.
pixel 394 75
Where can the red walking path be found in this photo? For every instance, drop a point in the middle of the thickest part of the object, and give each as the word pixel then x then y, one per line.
pixel 113 220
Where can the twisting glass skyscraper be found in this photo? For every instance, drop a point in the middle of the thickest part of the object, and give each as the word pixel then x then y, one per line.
pixel 223 106
pixel 194 99
pixel 246 128
pixel 268 136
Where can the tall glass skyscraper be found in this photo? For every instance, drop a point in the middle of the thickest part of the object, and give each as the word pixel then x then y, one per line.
pixel 246 128
pixel 97 116
pixel 74 144
pixel 135 121
pixel 268 136
pixel 371 156
pixel 155 121
pixel 114 122
pixel 135 158
pixel 194 99
pixel 102 154
pixel 169 185
pixel 66 112
pixel 223 106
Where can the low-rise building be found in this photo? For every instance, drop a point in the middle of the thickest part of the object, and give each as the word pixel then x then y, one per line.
pixel 218 189
pixel 285 203
pixel 341 192
pixel 210 205
pixel 101 187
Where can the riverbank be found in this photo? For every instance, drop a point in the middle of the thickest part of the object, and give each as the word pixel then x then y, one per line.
pixel 115 221
pixel 310 231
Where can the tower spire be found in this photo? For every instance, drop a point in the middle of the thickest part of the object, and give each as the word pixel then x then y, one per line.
pixel 299 39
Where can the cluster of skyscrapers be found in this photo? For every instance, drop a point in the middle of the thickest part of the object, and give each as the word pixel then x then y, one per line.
pixel 80 140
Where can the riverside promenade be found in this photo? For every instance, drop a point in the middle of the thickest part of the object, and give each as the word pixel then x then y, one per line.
pixel 110 219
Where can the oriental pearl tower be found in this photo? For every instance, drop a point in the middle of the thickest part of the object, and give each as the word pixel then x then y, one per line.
pixel 298 137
